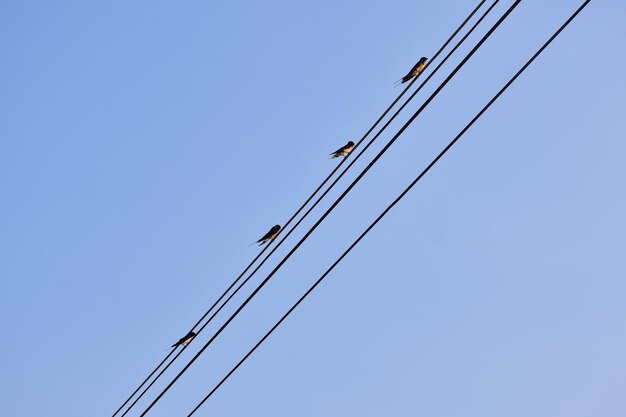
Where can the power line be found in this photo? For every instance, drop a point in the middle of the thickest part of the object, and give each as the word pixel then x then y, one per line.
pixel 171 352
pixel 459 28
pixel 362 150
pixel 402 195
pixel 433 95
pixel 227 290
pixel 351 163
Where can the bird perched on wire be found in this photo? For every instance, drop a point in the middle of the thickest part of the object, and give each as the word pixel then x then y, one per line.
pixel 185 340
pixel 269 235
pixel 343 151
pixel 415 71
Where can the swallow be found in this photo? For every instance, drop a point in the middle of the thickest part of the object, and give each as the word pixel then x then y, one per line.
pixel 269 235
pixel 185 340
pixel 343 151
pixel 415 71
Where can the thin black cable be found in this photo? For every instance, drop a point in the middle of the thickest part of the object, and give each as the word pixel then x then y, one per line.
pixel 352 162
pixel 330 187
pixel 176 347
pixel 248 267
pixel 251 264
pixel 144 381
pixel 184 347
pixel 241 307
pixel 371 226
pixel 266 247
pixel 459 28
pixel 341 174
pixel 356 158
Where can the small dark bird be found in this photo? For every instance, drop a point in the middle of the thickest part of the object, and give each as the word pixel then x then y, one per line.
pixel 343 151
pixel 415 71
pixel 269 235
pixel 185 340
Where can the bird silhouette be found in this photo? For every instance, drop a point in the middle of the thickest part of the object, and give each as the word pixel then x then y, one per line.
pixel 269 235
pixel 415 71
pixel 343 151
pixel 185 340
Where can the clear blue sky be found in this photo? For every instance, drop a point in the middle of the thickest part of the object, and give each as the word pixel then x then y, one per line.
pixel 144 145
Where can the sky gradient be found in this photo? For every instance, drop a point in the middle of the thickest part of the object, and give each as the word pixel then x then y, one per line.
pixel 144 145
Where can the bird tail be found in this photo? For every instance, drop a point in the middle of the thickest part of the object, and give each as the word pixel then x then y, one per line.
pixel 403 80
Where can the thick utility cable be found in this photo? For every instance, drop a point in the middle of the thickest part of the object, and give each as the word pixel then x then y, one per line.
pixel 336 180
pixel 411 185
pixel 171 352
pixel 353 160
pixel 331 208
pixel 283 228
pixel 227 290
pixel 264 249
pixel 458 29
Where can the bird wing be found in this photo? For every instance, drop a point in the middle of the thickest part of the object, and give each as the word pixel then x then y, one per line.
pixel 411 73
pixel 267 235
pixel 343 148
pixel 185 337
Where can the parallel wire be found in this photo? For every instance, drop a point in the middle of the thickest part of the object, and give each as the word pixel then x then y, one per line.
pixel 242 306
pixel 171 352
pixel 251 264
pixel 248 268
pixel 402 195
pixel 185 346
pixel 282 229
pixel 459 28
pixel 362 151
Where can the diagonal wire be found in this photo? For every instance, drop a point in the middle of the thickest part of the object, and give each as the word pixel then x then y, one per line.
pixel 459 28
pixel 402 195
pixel 369 166
pixel 356 158
pixel 171 352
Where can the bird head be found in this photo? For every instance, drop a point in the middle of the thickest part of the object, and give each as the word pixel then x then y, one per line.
pixel 350 144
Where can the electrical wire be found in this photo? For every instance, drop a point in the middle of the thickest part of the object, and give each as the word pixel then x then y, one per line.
pixel 402 195
pixel 433 95
pixel 459 28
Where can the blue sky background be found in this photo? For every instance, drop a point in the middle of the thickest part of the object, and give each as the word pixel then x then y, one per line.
pixel 144 145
